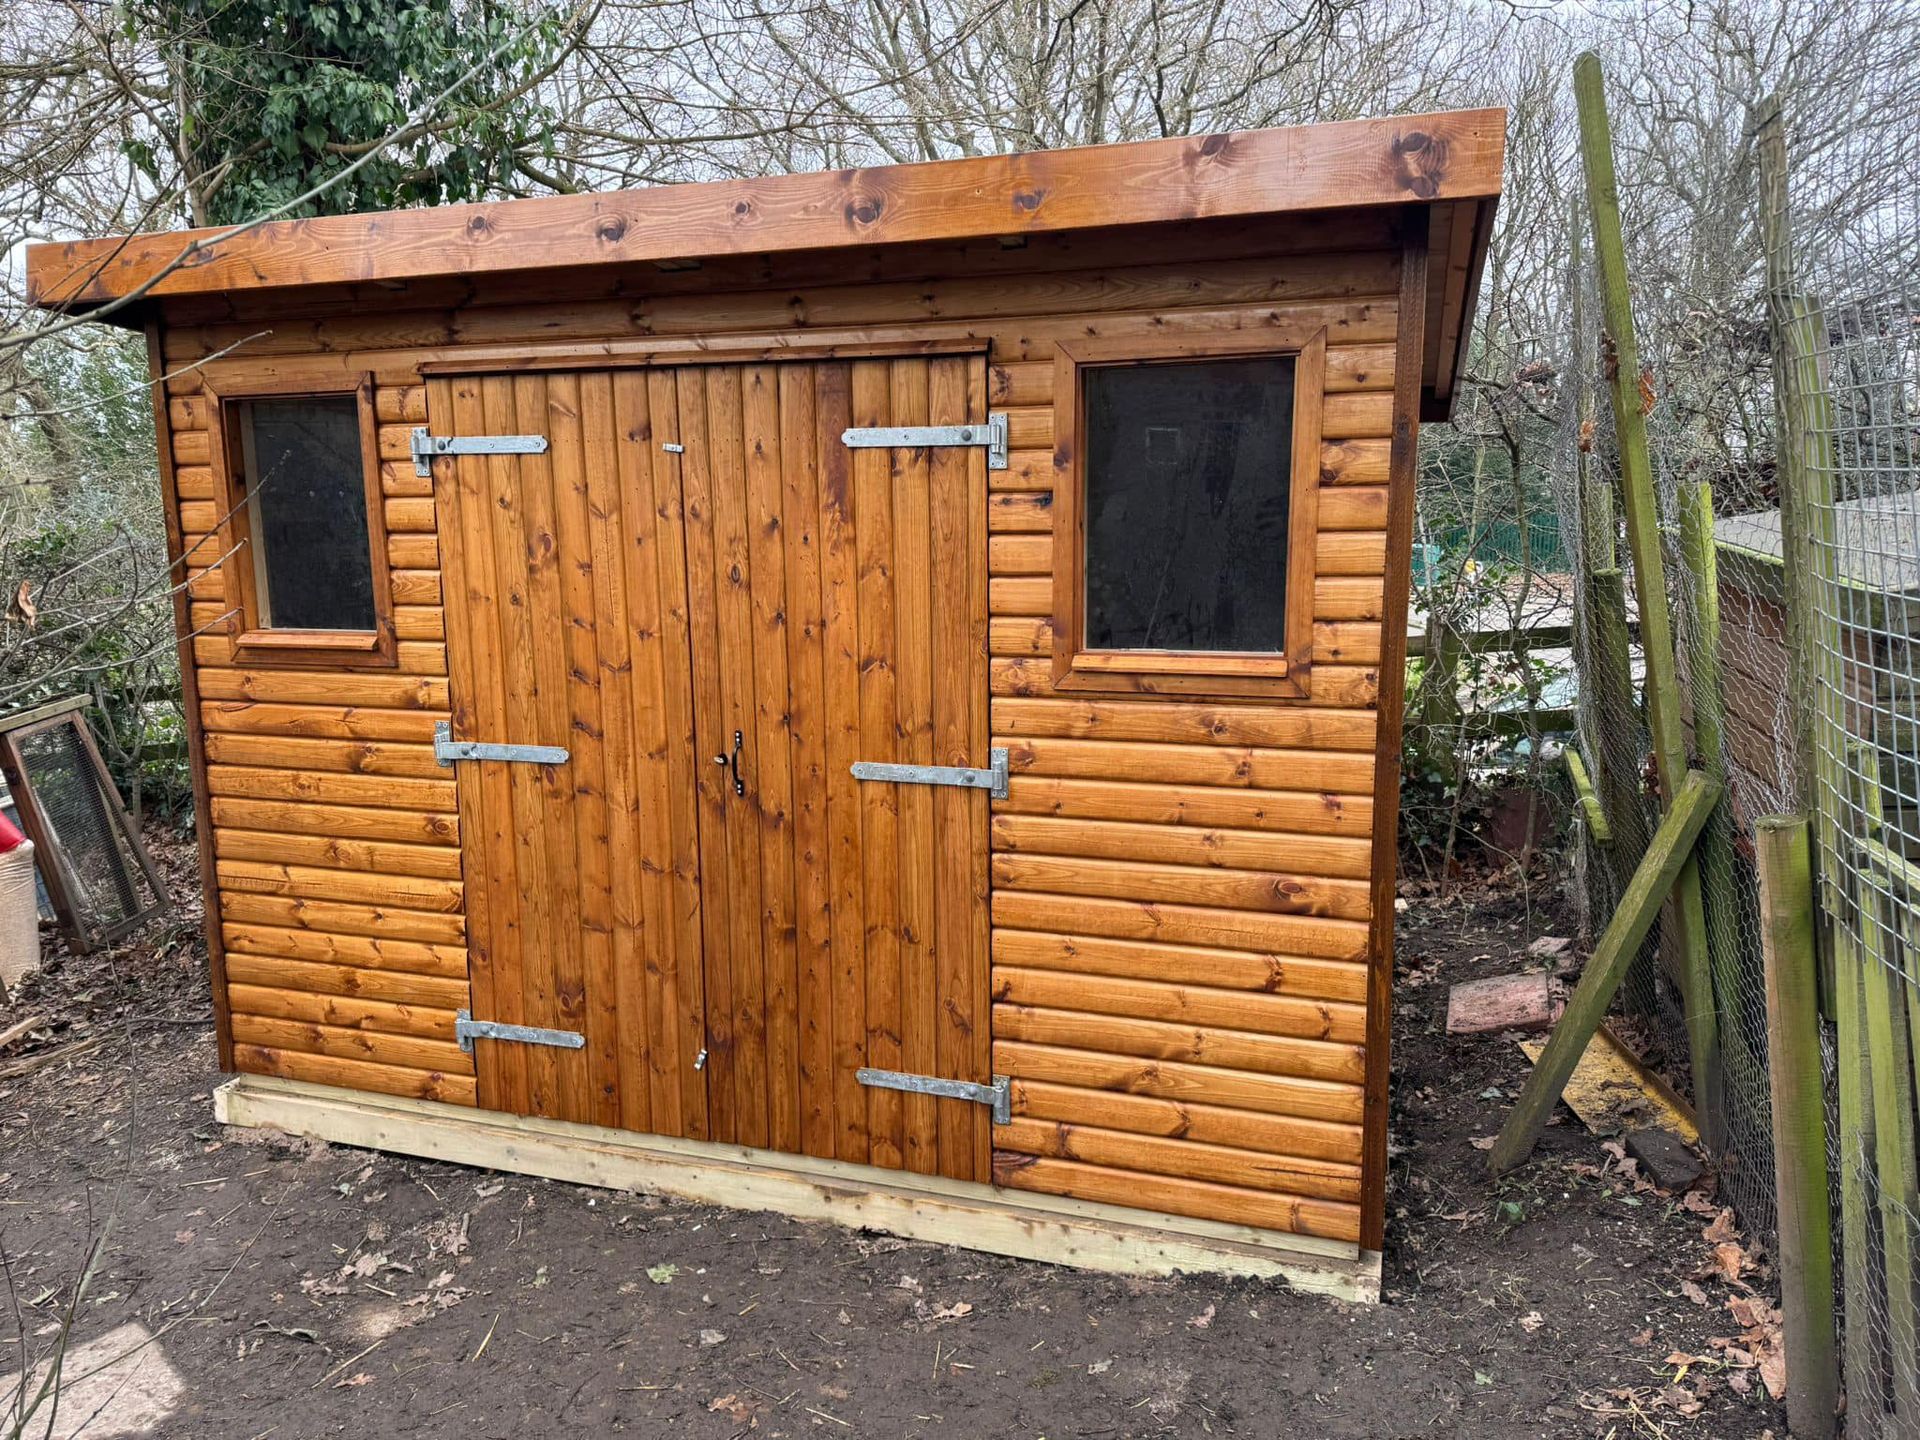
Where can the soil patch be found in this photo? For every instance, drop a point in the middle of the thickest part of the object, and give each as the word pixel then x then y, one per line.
pixel 300 1290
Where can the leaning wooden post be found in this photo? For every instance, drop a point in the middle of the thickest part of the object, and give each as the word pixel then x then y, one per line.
pixel 1785 862
pixel 1643 538
pixel 1670 849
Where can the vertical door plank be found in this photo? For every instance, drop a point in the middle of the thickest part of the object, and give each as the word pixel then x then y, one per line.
pixel 580 469
pixel 953 669
pixel 615 508
pixel 676 974
pixel 772 746
pixel 975 551
pixel 806 724
pixel 744 1058
pixel 873 508
pixel 712 734
pixel 841 654
pixel 461 512
pixel 513 600
pixel 912 565
pixel 557 944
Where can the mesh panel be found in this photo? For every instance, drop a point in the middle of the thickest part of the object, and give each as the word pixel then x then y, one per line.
pixel 90 848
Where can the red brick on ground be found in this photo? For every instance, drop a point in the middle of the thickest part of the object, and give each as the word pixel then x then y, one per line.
pixel 1503 1002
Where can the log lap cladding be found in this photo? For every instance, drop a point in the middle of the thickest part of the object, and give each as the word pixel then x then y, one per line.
pixel 731 909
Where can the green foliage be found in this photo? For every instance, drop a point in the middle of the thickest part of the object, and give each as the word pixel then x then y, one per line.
pixel 281 95
pixel 81 538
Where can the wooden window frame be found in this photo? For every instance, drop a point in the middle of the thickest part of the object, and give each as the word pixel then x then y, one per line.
pixel 255 644
pixel 1076 667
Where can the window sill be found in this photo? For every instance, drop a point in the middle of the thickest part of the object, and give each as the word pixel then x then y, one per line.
pixel 317 649
pixel 1163 672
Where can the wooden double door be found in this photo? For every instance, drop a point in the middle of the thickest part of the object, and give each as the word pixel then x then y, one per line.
pixel 718 607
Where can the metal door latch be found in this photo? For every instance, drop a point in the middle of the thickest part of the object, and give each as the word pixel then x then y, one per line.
pixel 424 447
pixel 993 779
pixel 992 437
pixel 466 1030
pixel 446 750
pixel 998 1095
pixel 731 764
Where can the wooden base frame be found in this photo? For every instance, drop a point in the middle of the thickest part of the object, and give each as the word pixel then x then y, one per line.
pixel 1030 1226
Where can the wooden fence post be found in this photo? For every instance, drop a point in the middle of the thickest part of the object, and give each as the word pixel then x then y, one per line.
pixel 1822 760
pixel 1688 910
pixel 1719 874
pixel 1785 862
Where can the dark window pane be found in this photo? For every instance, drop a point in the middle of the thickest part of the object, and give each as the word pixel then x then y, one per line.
pixel 308 513
pixel 1188 474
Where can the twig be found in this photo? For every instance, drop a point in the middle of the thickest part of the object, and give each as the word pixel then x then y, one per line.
pixel 48 1057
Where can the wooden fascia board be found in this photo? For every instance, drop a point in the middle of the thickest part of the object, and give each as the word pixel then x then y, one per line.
pixel 1408 159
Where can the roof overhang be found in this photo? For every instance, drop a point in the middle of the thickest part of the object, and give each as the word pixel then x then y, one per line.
pixel 1450 162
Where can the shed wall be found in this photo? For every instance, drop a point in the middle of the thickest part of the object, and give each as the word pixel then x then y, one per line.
pixel 1182 890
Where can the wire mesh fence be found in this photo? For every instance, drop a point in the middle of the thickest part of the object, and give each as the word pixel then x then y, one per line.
pixel 1792 573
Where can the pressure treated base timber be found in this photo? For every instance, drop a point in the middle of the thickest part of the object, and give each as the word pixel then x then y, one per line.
pixel 861 1197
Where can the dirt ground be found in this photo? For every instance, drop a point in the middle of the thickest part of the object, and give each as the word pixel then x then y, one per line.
pixel 298 1290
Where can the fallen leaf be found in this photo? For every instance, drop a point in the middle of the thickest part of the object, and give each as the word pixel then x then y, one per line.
pixel 953 1312
pixel 738 1410
pixel 1729 1260
pixel 1481 1142
pixel 24 610
pixel 1773 1372
pixel 1694 1293
pixel 662 1274
pixel 1100 1367
pixel 361 1379
pixel 712 1337
pixel 1203 1319
pixel 1721 1230
pixel 1532 1321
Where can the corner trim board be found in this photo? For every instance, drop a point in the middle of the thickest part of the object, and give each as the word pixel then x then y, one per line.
pixel 1025 1225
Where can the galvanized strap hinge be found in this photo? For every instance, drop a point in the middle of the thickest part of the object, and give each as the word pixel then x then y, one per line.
pixel 466 1030
pixel 992 436
pixel 993 779
pixel 424 447
pixel 446 750
pixel 998 1095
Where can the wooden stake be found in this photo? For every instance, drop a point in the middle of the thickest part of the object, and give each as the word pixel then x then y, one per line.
pixel 1718 871
pixel 1589 802
pixel 1622 365
pixel 1669 851
pixel 1890 1060
pixel 1862 1362
pixel 1785 863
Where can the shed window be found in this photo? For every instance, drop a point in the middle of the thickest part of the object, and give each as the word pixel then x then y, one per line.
pixel 306 500
pixel 306 573
pixel 1188 482
pixel 1185 513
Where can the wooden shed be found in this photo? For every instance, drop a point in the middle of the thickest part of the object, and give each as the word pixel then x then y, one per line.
pixel 871 694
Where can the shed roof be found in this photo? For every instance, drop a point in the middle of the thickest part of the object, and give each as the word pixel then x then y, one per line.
pixel 1449 161
pixel 1876 540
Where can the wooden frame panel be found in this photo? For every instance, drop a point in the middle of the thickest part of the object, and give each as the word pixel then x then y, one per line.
pixel 81 938
pixel 1224 673
pixel 263 646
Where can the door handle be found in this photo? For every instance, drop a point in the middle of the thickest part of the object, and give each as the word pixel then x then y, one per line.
pixel 731 763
